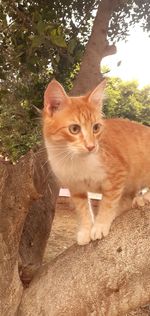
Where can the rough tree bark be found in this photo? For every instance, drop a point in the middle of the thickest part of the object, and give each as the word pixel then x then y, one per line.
pixel 105 278
pixel 40 215
pixel 24 187
pixel 96 49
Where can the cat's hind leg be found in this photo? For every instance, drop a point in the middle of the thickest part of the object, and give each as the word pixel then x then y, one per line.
pixel 141 199
pixel 126 202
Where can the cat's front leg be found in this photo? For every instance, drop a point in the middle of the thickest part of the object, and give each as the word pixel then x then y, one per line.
pixel 108 211
pixel 84 217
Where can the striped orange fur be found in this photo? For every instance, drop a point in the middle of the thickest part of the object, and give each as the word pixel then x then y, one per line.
pixel 89 153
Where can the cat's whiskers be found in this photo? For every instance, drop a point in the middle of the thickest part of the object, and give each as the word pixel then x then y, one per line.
pixel 40 151
pixel 59 153
pixel 47 161
pixel 64 157
pixel 48 175
pixel 57 148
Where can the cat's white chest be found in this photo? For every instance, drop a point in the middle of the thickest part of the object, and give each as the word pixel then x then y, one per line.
pixel 79 174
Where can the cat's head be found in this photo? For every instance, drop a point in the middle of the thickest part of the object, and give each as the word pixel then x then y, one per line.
pixel 72 123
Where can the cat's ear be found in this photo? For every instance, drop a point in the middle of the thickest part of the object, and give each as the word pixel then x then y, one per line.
pixel 96 96
pixel 55 97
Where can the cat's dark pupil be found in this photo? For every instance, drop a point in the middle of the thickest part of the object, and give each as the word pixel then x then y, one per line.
pixel 96 127
pixel 74 128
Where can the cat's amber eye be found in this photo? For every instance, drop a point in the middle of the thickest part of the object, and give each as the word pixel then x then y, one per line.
pixel 74 129
pixel 96 128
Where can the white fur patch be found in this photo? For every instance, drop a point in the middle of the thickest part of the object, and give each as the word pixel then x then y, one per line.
pixel 81 173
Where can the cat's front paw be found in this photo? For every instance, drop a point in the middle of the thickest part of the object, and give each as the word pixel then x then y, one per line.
pixel 100 230
pixel 83 237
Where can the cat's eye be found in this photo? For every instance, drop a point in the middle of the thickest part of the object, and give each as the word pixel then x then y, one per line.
pixel 96 128
pixel 74 129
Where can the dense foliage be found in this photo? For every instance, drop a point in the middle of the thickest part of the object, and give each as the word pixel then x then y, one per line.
pixel 124 99
pixel 44 39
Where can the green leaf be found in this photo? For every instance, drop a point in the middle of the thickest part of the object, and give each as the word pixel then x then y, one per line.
pixel 57 38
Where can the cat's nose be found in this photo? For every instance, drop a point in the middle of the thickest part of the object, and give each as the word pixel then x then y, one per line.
pixel 90 147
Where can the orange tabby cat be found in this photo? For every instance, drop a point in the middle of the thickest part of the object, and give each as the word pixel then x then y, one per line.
pixel 88 153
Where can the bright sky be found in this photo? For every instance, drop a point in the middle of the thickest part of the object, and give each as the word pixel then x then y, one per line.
pixel 134 56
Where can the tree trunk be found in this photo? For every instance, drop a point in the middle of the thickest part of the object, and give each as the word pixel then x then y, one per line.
pixel 97 48
pixel 22 190
pixel 105 278
pixel 39 219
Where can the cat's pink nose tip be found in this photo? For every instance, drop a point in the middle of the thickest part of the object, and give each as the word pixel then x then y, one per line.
pixel 90 147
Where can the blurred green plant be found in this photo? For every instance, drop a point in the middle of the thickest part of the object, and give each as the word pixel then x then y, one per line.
pixel 20 130
pixel 124 99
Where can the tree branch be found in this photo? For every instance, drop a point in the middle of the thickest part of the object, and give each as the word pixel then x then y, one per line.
pixel 106 278
pixel 110 50
pixel 97 47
